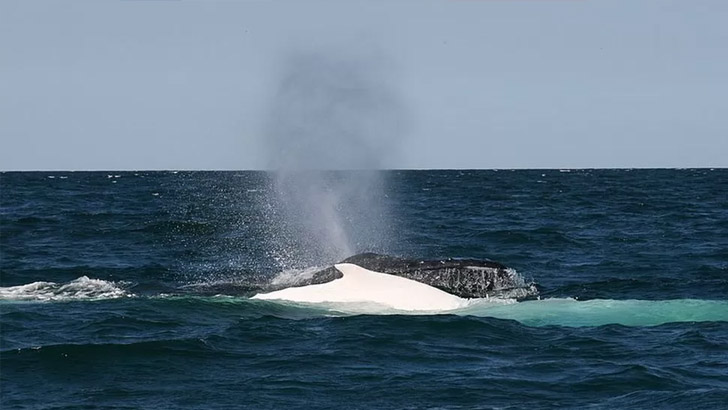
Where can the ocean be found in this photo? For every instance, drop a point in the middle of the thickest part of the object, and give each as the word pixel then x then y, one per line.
pixel 132 290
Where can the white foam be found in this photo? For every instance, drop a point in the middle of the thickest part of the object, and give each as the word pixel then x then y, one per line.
pixel 78 289
pixel 361 286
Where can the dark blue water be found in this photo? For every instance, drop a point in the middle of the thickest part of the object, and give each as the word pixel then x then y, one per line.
pixel 131 290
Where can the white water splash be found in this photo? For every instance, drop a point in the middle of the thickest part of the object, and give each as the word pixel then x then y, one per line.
pixel 290 277
pixel 83 288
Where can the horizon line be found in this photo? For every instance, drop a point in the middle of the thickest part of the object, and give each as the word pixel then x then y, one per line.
pixel 361 169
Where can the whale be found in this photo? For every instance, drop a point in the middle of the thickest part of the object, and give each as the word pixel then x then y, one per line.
pixel 459 278
pixel 360 285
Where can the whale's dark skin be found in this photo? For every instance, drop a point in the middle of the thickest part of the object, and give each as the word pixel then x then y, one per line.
pixel 466 278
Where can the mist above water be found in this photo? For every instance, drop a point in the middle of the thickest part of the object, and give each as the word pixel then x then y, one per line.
pixel 335 119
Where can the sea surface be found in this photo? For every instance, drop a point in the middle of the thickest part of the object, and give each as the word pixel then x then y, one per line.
pixel 132 290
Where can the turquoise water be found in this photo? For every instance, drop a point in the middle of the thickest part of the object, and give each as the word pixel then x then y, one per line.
pixel 131 289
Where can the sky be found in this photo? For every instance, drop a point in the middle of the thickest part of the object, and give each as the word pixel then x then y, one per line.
pixel 193 84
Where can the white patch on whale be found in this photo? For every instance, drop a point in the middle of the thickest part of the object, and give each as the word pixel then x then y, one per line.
pixel 359 285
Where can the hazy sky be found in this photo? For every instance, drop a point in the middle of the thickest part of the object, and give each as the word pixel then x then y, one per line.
pixel 480 84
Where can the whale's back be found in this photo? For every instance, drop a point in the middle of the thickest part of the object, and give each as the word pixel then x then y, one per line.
pixel 360 285
pixel 466 278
